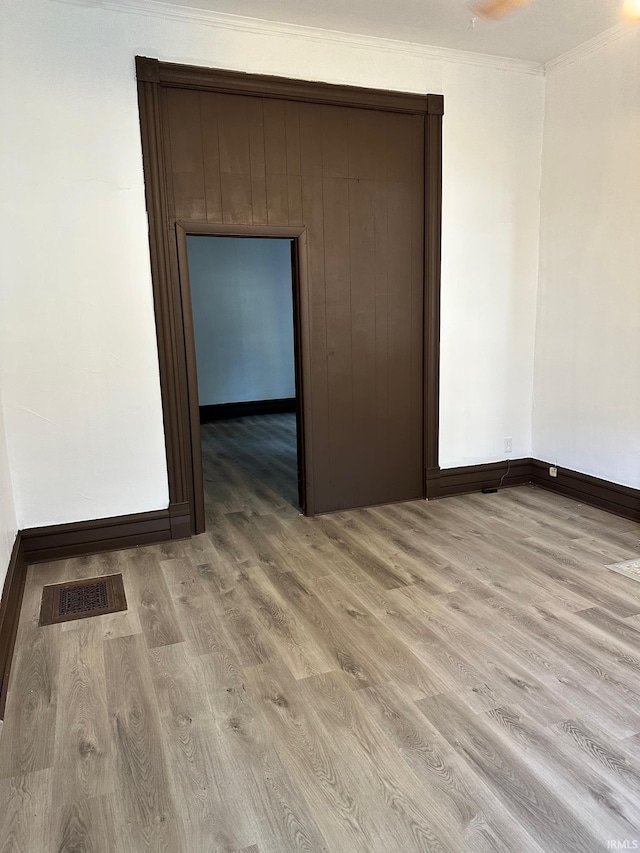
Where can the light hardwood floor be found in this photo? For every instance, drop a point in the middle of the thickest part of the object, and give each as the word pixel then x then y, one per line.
pixel 461 675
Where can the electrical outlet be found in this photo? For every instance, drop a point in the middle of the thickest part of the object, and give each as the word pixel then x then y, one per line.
pixel 508 445
pixel 553 471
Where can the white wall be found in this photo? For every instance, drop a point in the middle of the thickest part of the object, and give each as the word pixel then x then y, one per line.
pixel 492 159
pixel 8 525
pixel 587 377
pixel 83 415
pixel 242 299
pixel 8 521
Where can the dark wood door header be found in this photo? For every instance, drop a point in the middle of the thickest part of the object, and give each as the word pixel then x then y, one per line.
pixel 283 88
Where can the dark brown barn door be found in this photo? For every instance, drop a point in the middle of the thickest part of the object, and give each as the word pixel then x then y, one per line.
pixel 354 179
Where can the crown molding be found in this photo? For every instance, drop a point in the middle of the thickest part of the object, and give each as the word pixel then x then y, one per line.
pixel 588 47
pixel 258 26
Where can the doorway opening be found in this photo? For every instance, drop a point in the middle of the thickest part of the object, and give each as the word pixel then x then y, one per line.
pixel 245 307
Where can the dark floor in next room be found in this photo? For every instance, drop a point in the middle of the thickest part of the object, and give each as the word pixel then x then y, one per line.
pixel 251 463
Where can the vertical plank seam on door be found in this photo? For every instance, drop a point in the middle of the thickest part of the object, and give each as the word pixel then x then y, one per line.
pixel 222 216
pixel 326 325
pixel 248 124
pixel 388 267
pixel 352 484
pixel 267 213
pixel 420 366
pixel 375 317
pixel 286 155
pixel 324 301
pixel 299 174
pixel 255 148
pixel 300 160
pixel 164 121
pixel 266 165
pixel 286 161
pixel 204 165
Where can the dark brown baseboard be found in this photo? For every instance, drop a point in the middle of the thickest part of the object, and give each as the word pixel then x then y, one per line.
pixel 448 482
pixel 61 541
pixel 223 411
pixel 612 497
pixel 10 605
pixel 108 534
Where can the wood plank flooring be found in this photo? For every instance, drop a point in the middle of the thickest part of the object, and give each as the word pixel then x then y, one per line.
pixel 257 457
pixel 461 675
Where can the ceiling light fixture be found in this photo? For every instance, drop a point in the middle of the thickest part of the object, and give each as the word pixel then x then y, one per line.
pixel 631 10
pixel 494 9
pixel 498 8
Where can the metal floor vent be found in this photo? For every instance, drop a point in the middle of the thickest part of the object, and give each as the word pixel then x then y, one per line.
pixel 63 602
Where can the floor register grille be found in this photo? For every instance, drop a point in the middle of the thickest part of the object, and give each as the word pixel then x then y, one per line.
pixel 63 602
